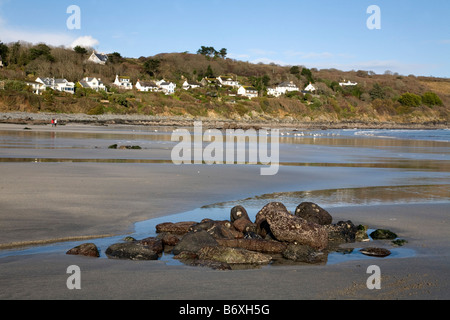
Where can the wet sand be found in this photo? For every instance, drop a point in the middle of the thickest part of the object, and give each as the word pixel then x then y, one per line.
pixel 42 201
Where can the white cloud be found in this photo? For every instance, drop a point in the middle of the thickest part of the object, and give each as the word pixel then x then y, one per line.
pixel 85 42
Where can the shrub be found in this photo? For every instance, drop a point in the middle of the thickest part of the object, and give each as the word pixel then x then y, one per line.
pixel 410 100
pixel 431 99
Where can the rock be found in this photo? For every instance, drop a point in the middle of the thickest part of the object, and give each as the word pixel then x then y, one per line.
pixel 361 233
pixel 258 245
pixel 381 234
pixel 176 228
pixel 215 265
pixel 262 227
pixel 237 213
pixel 86 249
pixel 169 239
pixel 233 255
pixel 129 239
pixel 313 213
pixel 154 244
pixel 286 227
pixel 131 251
pixel 399 242
pixel 375 252
pixel 218 229
pixel 303 253
pixel 194 241
pixel 244 225
pixel 342 232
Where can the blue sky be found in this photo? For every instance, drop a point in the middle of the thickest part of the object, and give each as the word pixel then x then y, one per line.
pixel 414 37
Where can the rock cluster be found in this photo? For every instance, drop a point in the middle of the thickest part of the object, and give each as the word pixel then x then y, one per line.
pixel 276 235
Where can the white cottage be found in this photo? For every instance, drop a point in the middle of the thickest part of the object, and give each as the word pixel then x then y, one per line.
pixel 190 85
pixel 248 92
pixel 92 83
pixel 98 58
pixel 310 88
pixel 166 87
pixel 1 62
pixel 348 84
pixel 123 83
pixel 228 82
pixel 146 86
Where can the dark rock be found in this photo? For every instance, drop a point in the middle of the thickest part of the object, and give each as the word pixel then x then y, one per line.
pixel 375 252
pixel 131 251
pixel 289 228
pixel 176 228
pixel 86 249
pixel 237 213
pixel 262 227
pixel 154 244
pixel 169 239
pixel 303 253
pixel 381 234
pixel 244 225
pixel 399 242
pixel 258 245
pixel 217 229
pixel 313 213
pixel 342 232
pixel 233 255
pixel 194 241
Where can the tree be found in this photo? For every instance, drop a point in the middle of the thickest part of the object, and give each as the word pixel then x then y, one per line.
pixel 377 92
pixel 223 53
pixel 295 70
pixel 209 72
pixel 41 50
pixel 308 74
pixel 210 52
pixel 151 66
pixel 80 50
pixel 115 57
pixel 3 50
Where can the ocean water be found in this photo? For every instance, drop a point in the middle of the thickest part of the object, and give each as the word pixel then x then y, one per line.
pixel 365 167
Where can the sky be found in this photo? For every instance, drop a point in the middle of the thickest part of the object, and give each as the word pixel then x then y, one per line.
pixel 414 36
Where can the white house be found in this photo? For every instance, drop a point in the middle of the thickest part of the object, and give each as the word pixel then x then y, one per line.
pixel 310 88
pixel 190 85
pixel 37 87
pixel 61 85
pixel 272 91
pixel 146 86
pixel 92 83
pixel 282 88
pixel 348 83
pixel 166 87
pixel 248 92
pixel 98 58
pixel 123 83
pixel 1 62
pixel 228 82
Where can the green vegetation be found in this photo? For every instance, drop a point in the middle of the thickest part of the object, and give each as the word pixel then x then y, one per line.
pixel 386 97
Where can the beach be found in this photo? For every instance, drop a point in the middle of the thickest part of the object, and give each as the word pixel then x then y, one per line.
pixel 63 185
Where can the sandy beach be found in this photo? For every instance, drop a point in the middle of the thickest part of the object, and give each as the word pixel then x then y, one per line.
pixel 60 199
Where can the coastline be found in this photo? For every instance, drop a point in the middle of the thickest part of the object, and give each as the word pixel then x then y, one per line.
pixel 25 118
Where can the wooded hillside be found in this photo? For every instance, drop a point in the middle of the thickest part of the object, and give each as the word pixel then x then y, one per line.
pixel 387 97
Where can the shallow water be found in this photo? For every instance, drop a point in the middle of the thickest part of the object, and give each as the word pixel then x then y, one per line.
pixel 411 166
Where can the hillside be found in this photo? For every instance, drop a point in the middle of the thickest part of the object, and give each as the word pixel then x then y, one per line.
pixel 375 98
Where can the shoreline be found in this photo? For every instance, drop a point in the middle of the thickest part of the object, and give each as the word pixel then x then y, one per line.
pixel 24 118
